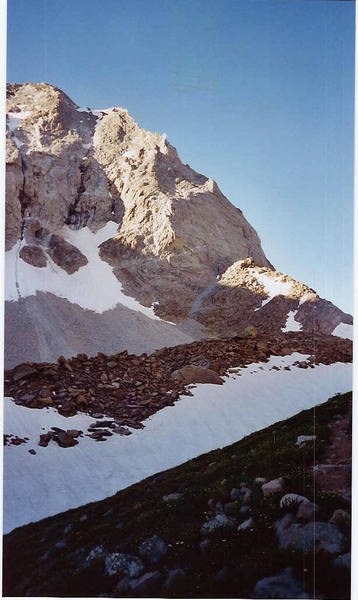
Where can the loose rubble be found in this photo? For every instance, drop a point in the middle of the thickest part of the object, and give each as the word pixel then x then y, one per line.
pixel 129 388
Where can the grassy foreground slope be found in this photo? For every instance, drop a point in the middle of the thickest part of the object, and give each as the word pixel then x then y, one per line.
pixel 51 557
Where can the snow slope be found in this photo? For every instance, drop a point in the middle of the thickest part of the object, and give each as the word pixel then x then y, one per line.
pixel 344 330
pixel 56 479
pixel 94 286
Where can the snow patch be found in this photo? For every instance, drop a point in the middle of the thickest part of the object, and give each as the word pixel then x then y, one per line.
pixel 129 154
pixel 343 330
pixel 93 286
pixel 14 122
pixel 15 118
pixel 304 298
pixel 163 144
pixel 57 479
pixel 274 286
pixel 291 323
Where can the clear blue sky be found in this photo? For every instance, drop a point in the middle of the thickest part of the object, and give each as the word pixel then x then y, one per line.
pixel 257 94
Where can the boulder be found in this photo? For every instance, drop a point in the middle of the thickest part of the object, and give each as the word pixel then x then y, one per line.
pixel 273 487
pixel 343 561
pixel 247 495
pixel 231 508
pixel 303 439
pixel 307 511
pixel 33 255
pixel 123 585
pixel 196 374
pixel 237 494
pixel 340 517
pixel 289 500
pixel 217 522
pixel 175 580
pixel 23 370
pixel 65 255
pixel 153 549
pixel 223 575
pixel 313 536
pixel 145 584
pixel 119 563
pixel 283 585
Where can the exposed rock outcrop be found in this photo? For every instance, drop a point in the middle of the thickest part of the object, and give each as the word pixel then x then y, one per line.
pixel 176 243
pixel 264 298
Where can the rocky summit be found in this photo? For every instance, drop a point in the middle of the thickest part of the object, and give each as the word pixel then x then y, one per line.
pixel 113 243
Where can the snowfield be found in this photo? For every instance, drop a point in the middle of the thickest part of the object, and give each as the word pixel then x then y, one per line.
pixel 57 479
pixel 343 330
pixel 94 286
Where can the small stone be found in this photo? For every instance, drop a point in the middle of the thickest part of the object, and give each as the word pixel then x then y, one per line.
pixel 303 439
pixel 172 497
pixel 205 545
pixel 45 439
pixel 97 553
pixel 196 374
pixel 248 524
pixel 302 364
pixel 223 575
pixel 260 480
pixel 343 561
pixel 32 451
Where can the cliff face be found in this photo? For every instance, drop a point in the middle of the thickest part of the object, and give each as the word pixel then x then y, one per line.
pixel 99 206
pixel 77 167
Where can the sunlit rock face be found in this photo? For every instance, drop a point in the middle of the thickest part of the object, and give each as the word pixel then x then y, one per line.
pixel 173 242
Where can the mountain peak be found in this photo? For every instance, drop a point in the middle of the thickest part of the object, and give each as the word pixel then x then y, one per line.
pixel 169 237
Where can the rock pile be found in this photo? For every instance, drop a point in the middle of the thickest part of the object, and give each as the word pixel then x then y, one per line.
pixel 130 388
